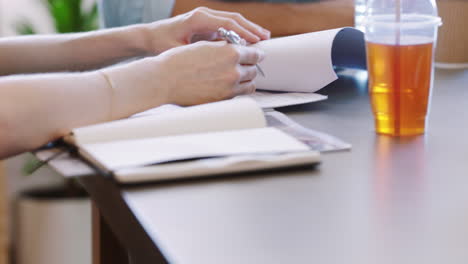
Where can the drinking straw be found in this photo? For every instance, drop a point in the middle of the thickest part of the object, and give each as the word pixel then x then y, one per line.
pixel 396 71
pixel 398 20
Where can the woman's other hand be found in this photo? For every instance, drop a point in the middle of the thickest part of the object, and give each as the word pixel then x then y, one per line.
pixel 188 75
pixel 199 24
pixel 209 71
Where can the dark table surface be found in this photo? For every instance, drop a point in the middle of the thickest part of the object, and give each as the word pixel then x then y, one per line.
pixel 388 200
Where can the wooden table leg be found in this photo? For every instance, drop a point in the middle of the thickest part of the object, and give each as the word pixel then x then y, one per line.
pixel 106 247
pixel 4 245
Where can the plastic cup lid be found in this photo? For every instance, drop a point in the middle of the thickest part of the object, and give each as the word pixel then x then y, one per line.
pixel 408 21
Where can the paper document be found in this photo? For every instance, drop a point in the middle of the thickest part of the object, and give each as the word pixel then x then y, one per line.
pixel 300 63
pixel 317 141
pixel 306 62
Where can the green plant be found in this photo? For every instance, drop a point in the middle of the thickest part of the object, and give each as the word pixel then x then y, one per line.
pixel 68 16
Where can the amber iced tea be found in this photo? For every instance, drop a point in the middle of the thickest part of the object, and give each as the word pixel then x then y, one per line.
pixel 400 79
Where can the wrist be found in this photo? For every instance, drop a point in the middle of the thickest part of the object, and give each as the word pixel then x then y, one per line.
pixel 157 80
pixel 141 39
pixel 157 37
pixel 135 87
pixel 109 87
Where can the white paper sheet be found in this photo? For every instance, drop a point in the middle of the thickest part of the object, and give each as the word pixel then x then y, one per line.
pixel 300 63
pixel 139 152
pixel 316 140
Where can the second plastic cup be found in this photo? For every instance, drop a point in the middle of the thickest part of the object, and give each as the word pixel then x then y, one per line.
pixel 400 55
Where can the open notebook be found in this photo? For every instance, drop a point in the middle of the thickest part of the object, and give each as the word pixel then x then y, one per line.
pixel 224 137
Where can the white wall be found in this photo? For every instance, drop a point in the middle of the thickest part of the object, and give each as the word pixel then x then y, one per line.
pixel 14 11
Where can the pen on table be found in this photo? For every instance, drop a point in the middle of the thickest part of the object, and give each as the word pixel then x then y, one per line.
pixel 233 38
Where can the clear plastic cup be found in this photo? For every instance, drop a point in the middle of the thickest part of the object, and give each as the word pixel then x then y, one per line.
pixel 400 42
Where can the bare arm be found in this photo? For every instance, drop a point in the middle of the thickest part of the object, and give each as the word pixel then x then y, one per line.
pixel 71 52
pixel 36 109
pixel 284 18
pixel 92 50
pixel 39 108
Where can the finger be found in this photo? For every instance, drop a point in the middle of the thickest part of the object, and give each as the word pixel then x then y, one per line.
pixel 249 55
pixel 231 24
pixel 210 36
pixel 247 73
pixel 205 21
pixel 247 87
pixel 259 31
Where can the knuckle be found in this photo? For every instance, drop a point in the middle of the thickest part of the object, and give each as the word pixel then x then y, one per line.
pixel 254 56
pixel 234 76
pixel 201 8
pixel 237 15
pixel 225 93
pixel 253 86
pixel 232 53
pixel 249 88
pixel 253 72
pixel 244 89
pixel 230 23
pixel 197 14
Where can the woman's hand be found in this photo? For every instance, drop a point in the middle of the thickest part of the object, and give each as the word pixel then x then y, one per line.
pixel 192 74
pixel 199 24
pixel 208 71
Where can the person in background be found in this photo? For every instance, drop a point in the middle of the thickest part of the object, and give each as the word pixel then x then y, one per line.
pixel 282 17
pixel 38 107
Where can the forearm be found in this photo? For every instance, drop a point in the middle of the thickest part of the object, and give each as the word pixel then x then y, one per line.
pixel 71 52
pixel 283 18
pixel 40 108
